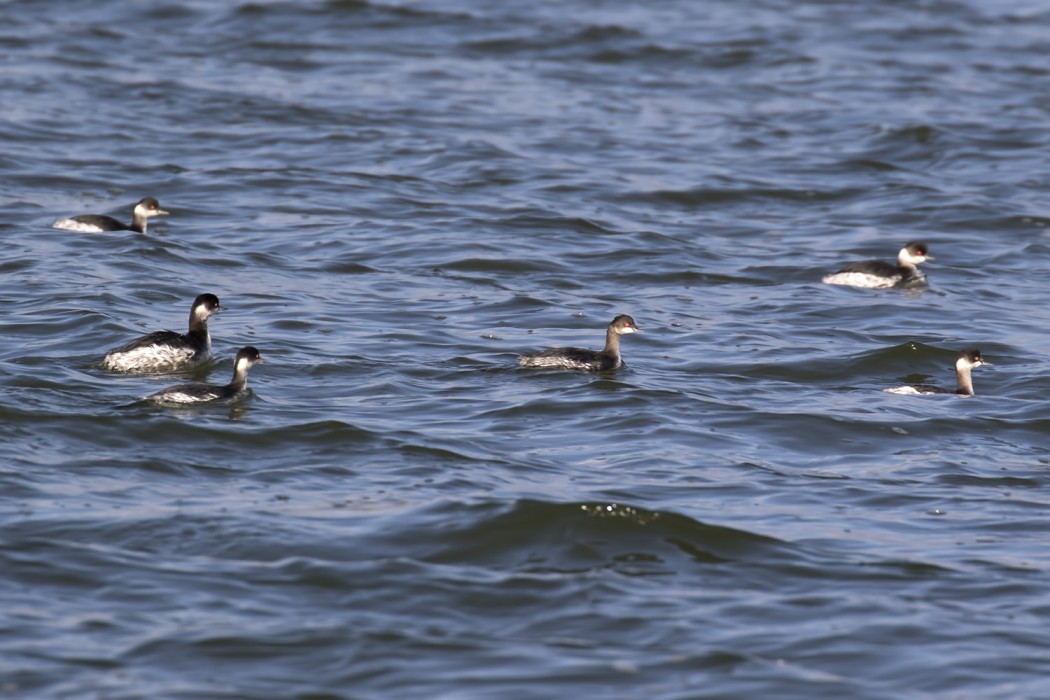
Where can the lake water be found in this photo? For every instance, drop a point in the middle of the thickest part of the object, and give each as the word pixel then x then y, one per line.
pixel 393 200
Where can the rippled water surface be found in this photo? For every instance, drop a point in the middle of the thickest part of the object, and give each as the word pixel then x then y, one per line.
pixel 393 199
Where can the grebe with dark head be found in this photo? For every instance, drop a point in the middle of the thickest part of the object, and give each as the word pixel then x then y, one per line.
pixel 186 394
pixel 588 360
pixel 168 351
pixel 878 274
pixel 145 209
pixel 964 364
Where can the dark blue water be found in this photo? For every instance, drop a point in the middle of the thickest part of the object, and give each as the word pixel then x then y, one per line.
pixel 395 199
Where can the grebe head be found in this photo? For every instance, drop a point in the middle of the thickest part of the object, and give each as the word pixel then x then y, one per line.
pixel 913 254
pixel 246 357
pixel 970 358
pixel 624 324
pixel 204 306
pixel 148 207
pixel 209 302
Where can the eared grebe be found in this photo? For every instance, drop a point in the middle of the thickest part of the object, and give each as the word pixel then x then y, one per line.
pixel 168 351
pixel 964 364
pixel 589 360
pixel 146 208
pixel 877 274
pixel 212 393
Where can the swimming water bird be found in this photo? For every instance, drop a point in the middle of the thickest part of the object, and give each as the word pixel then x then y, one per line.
pixel 168 351
pixel 145 209
pixel 964 364
pixel 878 274
pixel 185 394
pixel 588 360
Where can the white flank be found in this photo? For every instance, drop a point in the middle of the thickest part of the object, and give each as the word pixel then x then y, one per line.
pixel 861 279
pixel 179 397
pixel 155 358
pixel 909 390
pixel 74 225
